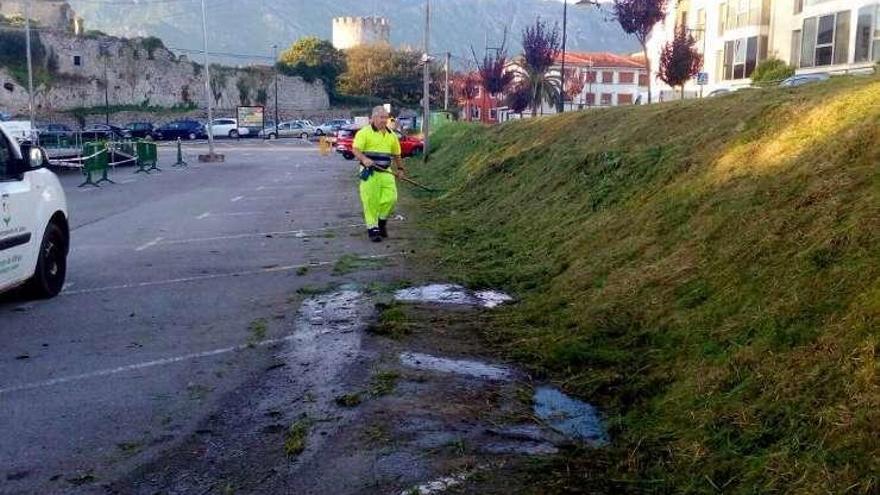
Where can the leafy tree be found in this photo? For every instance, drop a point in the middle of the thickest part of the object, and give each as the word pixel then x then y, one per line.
pixel 540 49
pixel 313 59
pixel 680 61
pixel 383 72
pixel 771 70
pixel 465 88
pixel 519 99
pixel 494 76
pixel 638 18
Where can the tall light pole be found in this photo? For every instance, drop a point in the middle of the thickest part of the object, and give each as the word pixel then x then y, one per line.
pixel 208 95
pixel 30 68
pixel 564 35
pixel 105 52
pixel 446 85
pixel 275 64
pixel 426 83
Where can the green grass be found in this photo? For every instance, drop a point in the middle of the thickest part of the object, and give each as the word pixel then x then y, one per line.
pixel 392 321
pixel 706 271
pixel 349 263
pixel 296 437
pixel 257 330
pixel 383 382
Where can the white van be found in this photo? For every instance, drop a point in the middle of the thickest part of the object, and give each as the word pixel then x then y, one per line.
pixel 34 232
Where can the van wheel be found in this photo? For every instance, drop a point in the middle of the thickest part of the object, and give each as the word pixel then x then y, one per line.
pixel 192 136
pixel 233 134
pixel 51 264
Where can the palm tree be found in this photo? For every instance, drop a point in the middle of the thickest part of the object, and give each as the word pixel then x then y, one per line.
pixel 544 87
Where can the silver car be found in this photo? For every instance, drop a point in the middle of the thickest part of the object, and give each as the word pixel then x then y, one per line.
pixel 288 129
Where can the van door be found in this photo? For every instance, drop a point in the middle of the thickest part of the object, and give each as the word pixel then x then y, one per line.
pixel 19 236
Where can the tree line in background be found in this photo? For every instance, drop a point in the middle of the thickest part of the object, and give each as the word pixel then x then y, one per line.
pixel 381 73
pixel 375 72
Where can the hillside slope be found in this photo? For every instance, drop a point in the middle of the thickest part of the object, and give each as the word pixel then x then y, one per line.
pixel 706 271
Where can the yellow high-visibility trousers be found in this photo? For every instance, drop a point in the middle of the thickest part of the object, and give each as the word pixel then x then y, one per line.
pixel 378 196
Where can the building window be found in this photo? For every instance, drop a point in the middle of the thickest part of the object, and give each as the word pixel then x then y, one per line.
pixel 591 99
pixel 77 60
pixel 868 34
pixel 493 114
pixel 742 56
pixel 624 99
pixel 643 80
pixel 825 40
pixel 475 113
pixel 608 77
pixel 626 77
pixel 796 48
pixel 798 6
pixel 606 99
pixel 700 31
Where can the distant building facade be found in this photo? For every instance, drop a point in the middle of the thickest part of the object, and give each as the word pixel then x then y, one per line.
pixel 735 36
pixel 349 32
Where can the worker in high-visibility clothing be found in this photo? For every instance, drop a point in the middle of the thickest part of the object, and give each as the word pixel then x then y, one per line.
pixel 377 148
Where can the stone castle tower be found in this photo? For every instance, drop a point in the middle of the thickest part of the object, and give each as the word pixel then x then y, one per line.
pixel 53 14
pixel 354 31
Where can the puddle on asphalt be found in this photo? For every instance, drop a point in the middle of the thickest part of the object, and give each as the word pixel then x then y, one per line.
pixel 452 294
pixel 569 416
pixel 466 367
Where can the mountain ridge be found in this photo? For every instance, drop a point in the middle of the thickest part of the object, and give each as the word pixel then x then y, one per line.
pixel 472 23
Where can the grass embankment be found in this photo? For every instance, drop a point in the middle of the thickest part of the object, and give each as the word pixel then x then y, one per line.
pixel 706 271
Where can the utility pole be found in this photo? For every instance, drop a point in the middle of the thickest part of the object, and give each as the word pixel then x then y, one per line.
pixel 446 85
pixel 564 33
pixel 426 76
pixel 275 62
pixel 30 68
pixel 208 95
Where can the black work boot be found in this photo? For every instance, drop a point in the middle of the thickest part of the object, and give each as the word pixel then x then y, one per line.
pixel 383 228
pixel 374 234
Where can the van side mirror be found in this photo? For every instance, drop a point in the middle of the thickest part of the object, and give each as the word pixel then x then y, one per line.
pixel 32 158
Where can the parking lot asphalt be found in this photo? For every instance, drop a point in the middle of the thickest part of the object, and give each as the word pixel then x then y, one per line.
pixel 179 284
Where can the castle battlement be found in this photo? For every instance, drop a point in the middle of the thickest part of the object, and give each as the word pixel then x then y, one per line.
pixel 349 31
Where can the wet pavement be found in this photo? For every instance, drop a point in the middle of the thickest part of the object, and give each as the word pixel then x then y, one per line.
pixel 214 338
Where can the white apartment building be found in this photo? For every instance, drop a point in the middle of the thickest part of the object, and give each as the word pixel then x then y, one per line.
pixel 835 36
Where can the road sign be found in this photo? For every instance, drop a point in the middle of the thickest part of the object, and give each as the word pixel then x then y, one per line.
pixel 703 78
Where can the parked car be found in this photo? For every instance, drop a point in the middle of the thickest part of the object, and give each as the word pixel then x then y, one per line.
pixel 345 141
pixel 409 145
pixel 227 128
pixel 141 130
pixel 54 131
pixel 330 128
pixel 288 129
pixel 104 132
pixel 308 127
pixel 34 239
pixel 802 79
pixel 182 129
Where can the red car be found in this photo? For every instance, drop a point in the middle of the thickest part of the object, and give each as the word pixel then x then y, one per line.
pixel 409 145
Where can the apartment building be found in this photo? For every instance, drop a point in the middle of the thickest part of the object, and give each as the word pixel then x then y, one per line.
pixel 836 36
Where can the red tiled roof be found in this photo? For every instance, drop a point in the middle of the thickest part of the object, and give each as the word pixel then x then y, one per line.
pixel 602 60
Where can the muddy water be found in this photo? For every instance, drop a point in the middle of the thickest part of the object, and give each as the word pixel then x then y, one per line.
pixel 569 416
pixel 466 367
pixel 452 294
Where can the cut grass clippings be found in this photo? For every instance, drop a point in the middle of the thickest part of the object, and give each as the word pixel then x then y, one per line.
pixel 706 271
pixel 351 263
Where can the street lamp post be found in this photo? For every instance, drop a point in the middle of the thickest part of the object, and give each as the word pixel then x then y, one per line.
pixel 208 94
pixel 275 62
pixel 426 83
pixel 564 36
pixel 30 69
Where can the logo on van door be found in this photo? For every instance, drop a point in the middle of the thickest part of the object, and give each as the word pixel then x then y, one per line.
pixel 5 213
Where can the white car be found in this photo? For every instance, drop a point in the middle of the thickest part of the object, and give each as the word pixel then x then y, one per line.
pixel 226 128
pixel 34 232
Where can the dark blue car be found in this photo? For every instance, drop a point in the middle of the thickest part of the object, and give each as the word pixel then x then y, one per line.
pixel 183 129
